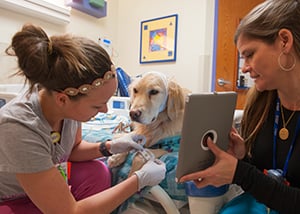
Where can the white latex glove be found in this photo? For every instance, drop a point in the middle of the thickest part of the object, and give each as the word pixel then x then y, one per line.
pixel 127 142
pixel 151 174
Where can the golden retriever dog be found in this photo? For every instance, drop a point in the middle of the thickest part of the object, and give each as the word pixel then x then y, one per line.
pixel 156 110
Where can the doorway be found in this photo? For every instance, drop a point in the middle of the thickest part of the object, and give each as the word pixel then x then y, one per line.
pixel 228 13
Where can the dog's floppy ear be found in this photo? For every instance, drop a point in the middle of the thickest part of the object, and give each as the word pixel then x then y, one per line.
pixel 176 99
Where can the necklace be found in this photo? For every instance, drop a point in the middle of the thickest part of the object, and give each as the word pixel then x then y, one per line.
pixel 55 136
pixel 284 132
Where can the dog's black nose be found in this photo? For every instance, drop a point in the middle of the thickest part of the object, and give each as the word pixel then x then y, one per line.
pixel 134 115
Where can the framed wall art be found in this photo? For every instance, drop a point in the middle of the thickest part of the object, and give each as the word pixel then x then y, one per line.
pixel 158 39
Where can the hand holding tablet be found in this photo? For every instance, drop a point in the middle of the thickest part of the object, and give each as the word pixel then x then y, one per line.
pixel 206 115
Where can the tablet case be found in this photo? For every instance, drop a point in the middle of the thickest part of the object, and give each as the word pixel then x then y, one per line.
pixel 205 114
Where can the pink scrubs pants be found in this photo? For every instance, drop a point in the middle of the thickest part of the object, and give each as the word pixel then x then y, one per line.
pixel 87 178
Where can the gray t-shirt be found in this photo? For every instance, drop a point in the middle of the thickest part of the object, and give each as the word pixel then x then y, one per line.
pixel 26 145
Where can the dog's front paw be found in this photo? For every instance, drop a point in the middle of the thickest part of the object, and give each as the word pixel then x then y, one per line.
pixel 137 163
pixel 116 159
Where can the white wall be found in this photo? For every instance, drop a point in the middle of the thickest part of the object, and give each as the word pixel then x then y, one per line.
pixel 193 66
pixel 80 24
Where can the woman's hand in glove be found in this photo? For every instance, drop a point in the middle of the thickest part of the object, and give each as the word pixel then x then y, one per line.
pixel 126 143
pixel 151 174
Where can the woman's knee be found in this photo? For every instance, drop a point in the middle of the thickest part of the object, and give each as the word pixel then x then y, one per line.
pixel 88 178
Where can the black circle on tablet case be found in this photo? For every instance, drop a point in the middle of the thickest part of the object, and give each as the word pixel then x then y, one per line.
pixel 206 136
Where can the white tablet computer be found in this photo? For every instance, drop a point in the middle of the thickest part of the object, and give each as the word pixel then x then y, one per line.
pixel 205 115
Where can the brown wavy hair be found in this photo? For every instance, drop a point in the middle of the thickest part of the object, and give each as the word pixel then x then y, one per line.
pixel 264 22
pixel 59 61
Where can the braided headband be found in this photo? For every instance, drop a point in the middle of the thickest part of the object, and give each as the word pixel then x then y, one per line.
pixel 86 88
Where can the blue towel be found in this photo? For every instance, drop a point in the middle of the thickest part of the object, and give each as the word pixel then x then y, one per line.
pixel 175 191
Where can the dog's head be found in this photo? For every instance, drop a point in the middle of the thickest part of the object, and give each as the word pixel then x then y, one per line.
pixel 152 94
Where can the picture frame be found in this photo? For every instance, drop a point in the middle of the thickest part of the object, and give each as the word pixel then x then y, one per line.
pixel 158 39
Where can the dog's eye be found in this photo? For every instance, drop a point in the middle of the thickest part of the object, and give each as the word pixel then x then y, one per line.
pixel 135 91
pixel 153 92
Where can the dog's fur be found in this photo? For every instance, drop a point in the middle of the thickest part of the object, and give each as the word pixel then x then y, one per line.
pixel 157 107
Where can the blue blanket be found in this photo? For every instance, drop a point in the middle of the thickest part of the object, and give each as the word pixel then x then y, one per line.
pixel 175 191
pixel 101 128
